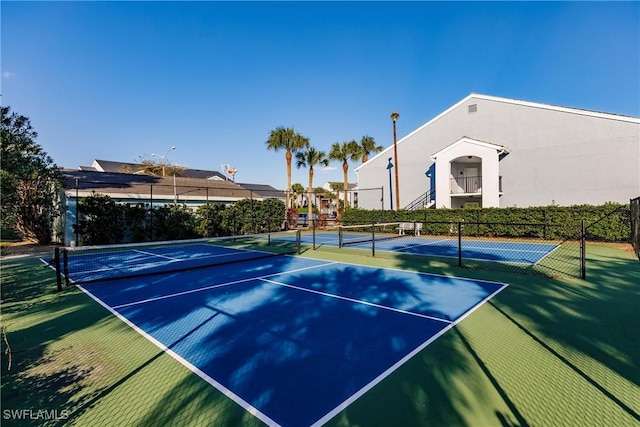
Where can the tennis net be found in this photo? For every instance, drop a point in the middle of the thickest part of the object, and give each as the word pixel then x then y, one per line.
pixel 77 265
pixel 356 234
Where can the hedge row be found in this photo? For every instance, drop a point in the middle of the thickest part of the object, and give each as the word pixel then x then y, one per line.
pixel 609 222
pixel 104 221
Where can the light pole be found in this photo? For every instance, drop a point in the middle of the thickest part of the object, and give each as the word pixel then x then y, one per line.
pixel 164 156
pixel 394 117
pixel 175 191
pixel 389 167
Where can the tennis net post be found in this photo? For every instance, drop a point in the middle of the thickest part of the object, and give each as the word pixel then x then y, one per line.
pixel 56 263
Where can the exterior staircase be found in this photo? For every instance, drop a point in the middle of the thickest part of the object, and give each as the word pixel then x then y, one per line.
pixel 425 201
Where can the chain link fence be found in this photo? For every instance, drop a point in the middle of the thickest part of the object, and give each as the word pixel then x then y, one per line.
pixel 553 249
pixel 635 225
pixel 525 248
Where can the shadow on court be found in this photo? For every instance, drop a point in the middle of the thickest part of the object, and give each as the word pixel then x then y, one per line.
pixel 255 336
pixel 581 340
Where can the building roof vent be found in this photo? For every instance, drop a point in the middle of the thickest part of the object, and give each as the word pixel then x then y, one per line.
pixel 473 108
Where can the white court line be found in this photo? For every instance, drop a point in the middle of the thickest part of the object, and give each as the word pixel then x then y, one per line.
pixel 157 255
pixel 106 267
pixel 494 249
pixel 384 307
pixel 335 411
pixel 256 412
pixel 322 239
pixel 191 291
pixel 200 257
pixel 470 246
pixel 224 390
pixel 429 243
pixel 549 253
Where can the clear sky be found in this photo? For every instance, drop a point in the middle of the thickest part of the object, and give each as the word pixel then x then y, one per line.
pixel 122 80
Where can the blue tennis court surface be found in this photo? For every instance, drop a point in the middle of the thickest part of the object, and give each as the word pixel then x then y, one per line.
pixel 482 250
pixel 292 340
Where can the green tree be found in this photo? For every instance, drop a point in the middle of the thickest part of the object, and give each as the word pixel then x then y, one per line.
pixel 210 220
pixel 30 180
pixel 368 146
pixel 308 159
pixel 174 222
pixel 344 152
pixel 249 216
pixel 102 220
pixel 287 139
pixel 137 224
pixel 271 213
pixel 153 167
pixel 239 218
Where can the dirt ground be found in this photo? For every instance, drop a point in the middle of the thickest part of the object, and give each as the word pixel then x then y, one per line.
pixel 25 248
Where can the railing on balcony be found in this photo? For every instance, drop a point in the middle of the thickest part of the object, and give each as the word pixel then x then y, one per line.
pixel 466 185
pixel 470 185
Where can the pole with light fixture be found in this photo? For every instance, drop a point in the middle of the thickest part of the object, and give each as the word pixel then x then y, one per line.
pixel 164 156
pixel 389 167
pixel 394 117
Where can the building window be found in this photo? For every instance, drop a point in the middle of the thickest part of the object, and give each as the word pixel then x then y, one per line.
pixel 473 108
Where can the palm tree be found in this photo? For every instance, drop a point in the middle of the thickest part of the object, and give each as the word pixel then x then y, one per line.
pixel 368 146
pixel 287 139
pixel 343 153
pixel 296 190
pixel 394 118
pixel 308 159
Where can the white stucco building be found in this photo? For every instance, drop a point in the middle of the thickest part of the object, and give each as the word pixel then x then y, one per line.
pixel 488 151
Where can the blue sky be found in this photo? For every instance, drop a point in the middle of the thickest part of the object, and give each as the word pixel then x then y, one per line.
pixel 122 80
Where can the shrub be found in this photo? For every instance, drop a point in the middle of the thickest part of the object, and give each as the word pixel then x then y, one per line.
pixel 609 222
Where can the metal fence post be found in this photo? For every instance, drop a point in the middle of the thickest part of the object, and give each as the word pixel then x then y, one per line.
pixel 373 240
pixel 381 204
pixel 77 220
pixel 583 251
pixel 56 261
pixel 65 263
pixel 151 209
pixel 459 243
